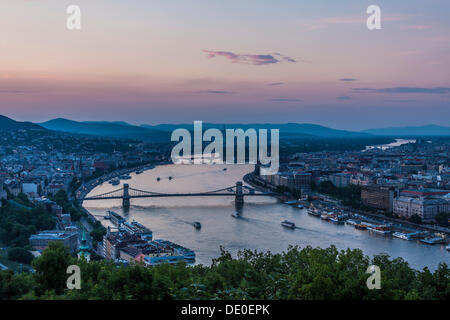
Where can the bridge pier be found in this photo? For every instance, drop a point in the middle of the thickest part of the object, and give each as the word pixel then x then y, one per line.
pixel 126 197
pixel 239 199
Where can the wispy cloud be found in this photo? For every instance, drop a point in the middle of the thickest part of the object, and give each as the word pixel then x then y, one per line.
pixel 214 92
pixel 418 27
pixel 314 24
pixel 344 98
pixel 284 100
pixel 253 59
pixel 13 91
pixel 348 79
pixel 275 84
pixel 434 90
pixel 399 101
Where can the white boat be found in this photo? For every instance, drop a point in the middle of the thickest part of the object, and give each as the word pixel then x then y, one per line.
pixel 401 235
pixel 288 224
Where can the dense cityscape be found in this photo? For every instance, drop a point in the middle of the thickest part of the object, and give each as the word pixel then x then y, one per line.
pixel 399 189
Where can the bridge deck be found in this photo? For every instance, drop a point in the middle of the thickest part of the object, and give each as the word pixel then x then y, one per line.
pixel 180 195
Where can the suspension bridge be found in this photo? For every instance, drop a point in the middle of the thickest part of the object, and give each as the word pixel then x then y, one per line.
pixel 239 191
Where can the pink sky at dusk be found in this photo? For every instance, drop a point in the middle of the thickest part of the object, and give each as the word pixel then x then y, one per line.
pixel 227 61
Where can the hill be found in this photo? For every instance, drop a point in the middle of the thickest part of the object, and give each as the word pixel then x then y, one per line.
pixel 10 124
pixel 296 130
pixel 427 130
pixel 106 129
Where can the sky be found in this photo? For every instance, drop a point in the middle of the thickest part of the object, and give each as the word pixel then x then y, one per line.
pixel 233 61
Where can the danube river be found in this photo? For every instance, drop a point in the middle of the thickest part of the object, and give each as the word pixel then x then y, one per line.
pixel 259 228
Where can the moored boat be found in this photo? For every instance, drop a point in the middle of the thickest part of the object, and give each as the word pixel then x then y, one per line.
pixel 433 240
pixel 313 212
pixel 325 216
pixel 401 235
pixel 360 226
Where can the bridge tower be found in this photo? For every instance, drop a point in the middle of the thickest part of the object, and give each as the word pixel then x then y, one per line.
pixel 126 197
pixel 239 200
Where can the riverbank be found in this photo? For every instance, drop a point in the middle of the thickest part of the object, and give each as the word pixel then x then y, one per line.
pixel 87 187
pixel 250 179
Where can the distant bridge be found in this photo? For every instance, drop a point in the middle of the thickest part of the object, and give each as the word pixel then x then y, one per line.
pixel 126 193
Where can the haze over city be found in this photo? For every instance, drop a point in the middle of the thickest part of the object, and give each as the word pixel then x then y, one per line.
pixel 227 61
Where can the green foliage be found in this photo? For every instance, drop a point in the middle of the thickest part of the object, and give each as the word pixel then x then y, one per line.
pixel 415 219
pixel 308 273
pixel 98 232
pixel 17 225
pixel 20 255
pixel 442 218
pixel 51 269
pixel 350 196
pixel 14 286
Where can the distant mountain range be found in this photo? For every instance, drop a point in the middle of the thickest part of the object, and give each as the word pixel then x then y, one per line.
pixel 427 130
pixel 106 129
pixel 161 133
pixel 10 124
pixel 286 130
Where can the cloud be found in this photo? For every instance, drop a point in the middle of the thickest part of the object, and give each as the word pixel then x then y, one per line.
pixel 344 98
pixel 348 79
pixel 284 100
pixel 275 84
pixel 314 24
pixel 434 90
pixel 215 92
pixel 13 91
pixel 253 59
pixel 418 27
pixel 400 101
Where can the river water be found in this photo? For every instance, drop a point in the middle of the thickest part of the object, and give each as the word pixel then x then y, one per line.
pixel 259 228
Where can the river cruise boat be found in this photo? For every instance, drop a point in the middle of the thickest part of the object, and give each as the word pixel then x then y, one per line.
pixel 338 219
pixel 314 212
pixel 433 240
pixel 115 218
pixel 401 235
pixel 383 230
pixel 288 224
pixel 325 216
pixel 360 226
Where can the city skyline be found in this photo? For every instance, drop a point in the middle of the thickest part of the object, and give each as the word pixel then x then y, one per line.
pixel 254 62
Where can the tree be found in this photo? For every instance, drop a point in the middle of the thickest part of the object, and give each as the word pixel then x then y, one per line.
pixel 415 219
pixel 19 254
pixel 51 268
pixel 442 218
